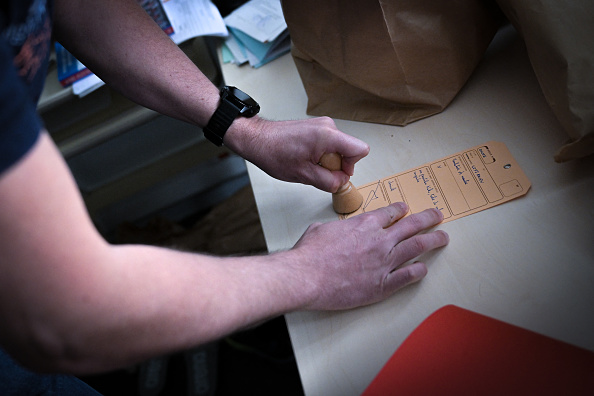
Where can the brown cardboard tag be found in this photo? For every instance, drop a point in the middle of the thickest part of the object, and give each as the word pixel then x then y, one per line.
pixel 459 185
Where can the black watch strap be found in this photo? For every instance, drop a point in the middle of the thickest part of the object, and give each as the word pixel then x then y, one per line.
pixel 220 121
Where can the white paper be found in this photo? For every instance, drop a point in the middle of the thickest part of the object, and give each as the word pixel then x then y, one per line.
pixel 252 59
pixel 86 85
pixel 261 19
pixel 236 50
pixel 194 18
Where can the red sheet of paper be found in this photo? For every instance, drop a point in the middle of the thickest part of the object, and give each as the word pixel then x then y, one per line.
pixel 459 352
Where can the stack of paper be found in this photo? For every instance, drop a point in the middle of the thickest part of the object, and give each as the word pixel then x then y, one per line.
pixel 258 33
pixel 194 18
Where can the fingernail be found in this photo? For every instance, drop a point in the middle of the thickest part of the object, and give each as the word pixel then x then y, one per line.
pixel 440 213
pixel 403 206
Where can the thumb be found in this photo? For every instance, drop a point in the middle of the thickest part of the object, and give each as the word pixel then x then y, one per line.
pixel 327 180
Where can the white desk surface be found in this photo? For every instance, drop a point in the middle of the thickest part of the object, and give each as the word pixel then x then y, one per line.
pixel 529 262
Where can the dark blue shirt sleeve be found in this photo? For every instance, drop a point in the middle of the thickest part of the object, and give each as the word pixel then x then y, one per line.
pixel 19 121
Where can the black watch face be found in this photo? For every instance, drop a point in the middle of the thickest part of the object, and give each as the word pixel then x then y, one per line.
pixel 248 106
pixel 239 94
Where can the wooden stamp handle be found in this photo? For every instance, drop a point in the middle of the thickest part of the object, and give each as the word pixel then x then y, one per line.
pixel 347 199
pixel 331 161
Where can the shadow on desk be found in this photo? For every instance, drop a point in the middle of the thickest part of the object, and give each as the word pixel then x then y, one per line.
pixel 255 362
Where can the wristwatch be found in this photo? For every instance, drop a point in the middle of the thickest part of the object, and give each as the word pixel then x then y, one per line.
pixel 234 103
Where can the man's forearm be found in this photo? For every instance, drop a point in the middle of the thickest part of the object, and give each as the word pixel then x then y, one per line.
pixel 119 41
pixel 157 300
pixel 73 303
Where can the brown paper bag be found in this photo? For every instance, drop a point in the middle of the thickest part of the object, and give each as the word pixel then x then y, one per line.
pixel 387 61
pixel 559 37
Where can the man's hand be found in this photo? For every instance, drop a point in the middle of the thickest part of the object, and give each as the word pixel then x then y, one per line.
pixel 290 150
pixel 356 261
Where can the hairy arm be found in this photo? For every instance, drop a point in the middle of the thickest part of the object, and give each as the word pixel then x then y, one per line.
pixel 119 41
pixel 70 302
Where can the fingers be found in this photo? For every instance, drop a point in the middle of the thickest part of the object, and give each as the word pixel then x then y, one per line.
pixel 352 153
pixel 360 259
pixel 409 243
pixel 386 216
pixel 404 276
pixel 349 162
pixel 408 250
pixel 349 147
pixel 416 223
pixel 335 177
pixel 330 181
pixel 352 149
pixel 417 245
